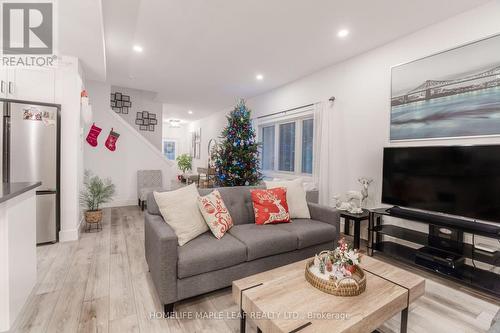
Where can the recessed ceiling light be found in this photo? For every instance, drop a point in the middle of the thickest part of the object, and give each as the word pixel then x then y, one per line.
pixel 259 77
pixel 343 33
pixel 190 112
pixel 138 48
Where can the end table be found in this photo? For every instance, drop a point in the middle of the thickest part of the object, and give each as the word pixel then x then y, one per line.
pixel 356 218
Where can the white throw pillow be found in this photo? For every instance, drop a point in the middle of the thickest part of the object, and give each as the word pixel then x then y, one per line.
pixel 215 212
pixel 295 197
pixel 180 210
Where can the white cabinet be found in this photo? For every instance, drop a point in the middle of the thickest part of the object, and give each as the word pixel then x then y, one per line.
pixel 28 84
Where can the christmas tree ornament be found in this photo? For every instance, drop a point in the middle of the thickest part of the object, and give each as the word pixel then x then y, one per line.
pixel 94 132
pixel 111 140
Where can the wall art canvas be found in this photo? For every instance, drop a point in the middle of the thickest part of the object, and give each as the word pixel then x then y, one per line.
pixel 452 94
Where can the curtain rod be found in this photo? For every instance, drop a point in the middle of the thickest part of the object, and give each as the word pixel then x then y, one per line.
pixel 331 99
pixel 293 109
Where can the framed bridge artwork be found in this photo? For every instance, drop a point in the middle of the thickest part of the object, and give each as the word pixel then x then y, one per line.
pixel 452 94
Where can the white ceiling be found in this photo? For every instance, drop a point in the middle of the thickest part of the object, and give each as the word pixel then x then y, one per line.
pixel 202 55
pixel 81 34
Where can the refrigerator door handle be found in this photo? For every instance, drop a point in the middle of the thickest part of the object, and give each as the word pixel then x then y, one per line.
pixel 2 85
pixel 42 192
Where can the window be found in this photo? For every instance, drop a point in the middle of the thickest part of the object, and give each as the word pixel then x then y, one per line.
pixel 268 148
pixel 169 149
pixel 287 145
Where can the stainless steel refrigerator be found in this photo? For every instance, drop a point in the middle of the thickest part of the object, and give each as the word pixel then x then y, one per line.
pixel 30 150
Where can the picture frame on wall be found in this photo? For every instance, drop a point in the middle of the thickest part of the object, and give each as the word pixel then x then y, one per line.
pixel 143 128
pixel 113 96
pixel 117 110
pixel 113 103
pixel 451 94
pixel 119 104
pixel 138 122
pixel 126 104
pixel 152 116
pixel 125 110
pixel 125 98
pixel 145 121
pixel 118 96
pixel 151 128
pixel 153 121
pixel 138 115
pixel 145 114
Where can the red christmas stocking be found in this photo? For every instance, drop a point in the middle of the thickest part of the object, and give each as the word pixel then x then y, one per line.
pixel 93 134
pixel 111 140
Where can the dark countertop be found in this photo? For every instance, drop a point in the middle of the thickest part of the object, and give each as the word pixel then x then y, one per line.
pixel 12 190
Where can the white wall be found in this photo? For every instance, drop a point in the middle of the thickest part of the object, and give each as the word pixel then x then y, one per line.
pixel 361 86
pixel 133 151
pixel 179 135
pixel 211 128
pixel 143 101
pixel 68 87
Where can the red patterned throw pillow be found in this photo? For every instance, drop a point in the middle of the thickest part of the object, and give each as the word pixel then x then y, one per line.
pixel 270 206
pixel 215 213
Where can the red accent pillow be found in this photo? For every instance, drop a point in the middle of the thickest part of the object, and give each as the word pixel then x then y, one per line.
pixel 270 206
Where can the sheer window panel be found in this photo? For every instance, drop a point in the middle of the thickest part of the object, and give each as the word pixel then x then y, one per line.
pixel 307 145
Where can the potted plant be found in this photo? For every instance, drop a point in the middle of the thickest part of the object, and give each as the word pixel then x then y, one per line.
pixel 184 163
pixel 95 192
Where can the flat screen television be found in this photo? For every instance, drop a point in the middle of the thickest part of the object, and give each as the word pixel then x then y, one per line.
pixel 456 180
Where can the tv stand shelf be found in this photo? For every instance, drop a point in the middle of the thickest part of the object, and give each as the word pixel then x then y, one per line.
pixel 475 277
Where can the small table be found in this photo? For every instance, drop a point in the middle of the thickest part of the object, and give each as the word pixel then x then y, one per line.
pixel 281 300
pixel 356 218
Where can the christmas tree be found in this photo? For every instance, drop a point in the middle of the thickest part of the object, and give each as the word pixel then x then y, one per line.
pixel 236 157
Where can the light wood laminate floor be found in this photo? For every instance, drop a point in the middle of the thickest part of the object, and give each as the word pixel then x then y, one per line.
pixel 101 284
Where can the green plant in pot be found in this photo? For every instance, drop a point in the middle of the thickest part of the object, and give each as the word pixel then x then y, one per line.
pixel 184 163
pixel 95 192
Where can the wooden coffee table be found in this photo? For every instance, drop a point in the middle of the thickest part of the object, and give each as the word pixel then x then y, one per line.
pixel 281 300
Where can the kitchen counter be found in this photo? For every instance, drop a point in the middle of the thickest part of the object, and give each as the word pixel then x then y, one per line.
pixel 17 248
pixel 12 190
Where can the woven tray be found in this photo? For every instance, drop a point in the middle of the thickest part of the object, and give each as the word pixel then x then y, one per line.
pixel 348 286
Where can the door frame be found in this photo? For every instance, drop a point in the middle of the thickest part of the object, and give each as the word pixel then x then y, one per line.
pixel 6 102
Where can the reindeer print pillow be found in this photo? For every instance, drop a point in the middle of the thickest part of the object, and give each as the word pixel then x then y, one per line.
pixel 215 213
pixel 270 206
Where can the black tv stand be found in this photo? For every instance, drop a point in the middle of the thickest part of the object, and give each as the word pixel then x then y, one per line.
pixel 409 253
pixel 469 226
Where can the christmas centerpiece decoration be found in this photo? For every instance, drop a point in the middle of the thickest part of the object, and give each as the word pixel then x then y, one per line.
pixel 236 157
pixel 337 272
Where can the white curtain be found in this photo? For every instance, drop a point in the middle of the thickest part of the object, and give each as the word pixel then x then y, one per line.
pixel 321 153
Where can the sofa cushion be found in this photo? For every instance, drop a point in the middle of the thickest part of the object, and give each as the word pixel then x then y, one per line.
pixel 310 232
pixel 295 196
pixel 239 203
pixel 264 240
pixel 215 213
pixel 180 210
pixel 270 206
pixel 206 253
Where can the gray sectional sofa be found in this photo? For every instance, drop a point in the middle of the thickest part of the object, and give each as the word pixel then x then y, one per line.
pixel 206 263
